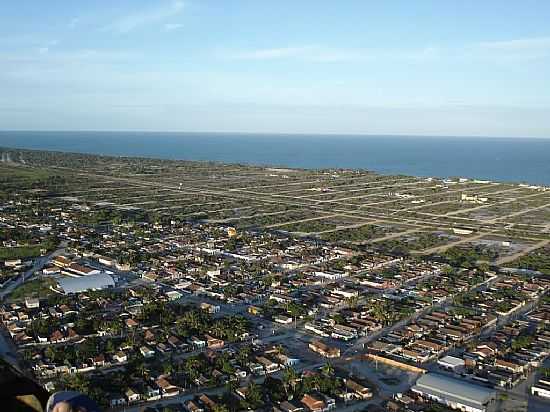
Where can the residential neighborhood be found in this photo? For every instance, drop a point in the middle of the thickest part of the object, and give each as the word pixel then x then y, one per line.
pixel 151 309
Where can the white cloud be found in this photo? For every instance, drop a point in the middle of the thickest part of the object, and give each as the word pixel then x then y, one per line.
pixel 328 54
pixel 502 51
pixel 172 26
pixel 518 44
pixel 515 49
pixel 274 53
pixel 126 24
pixel 48 59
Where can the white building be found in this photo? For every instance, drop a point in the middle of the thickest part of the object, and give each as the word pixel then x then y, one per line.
pixel 451 363
pixel 454 393
pixel 83 283
pixel 32 303
pixel 541 388
pixel 330 275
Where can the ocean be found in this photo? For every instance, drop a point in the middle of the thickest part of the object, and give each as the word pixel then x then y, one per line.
pixel 499 159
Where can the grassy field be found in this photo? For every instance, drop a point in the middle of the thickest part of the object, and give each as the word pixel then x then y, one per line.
pixel 10 172
pixel 39 288
pixel 21 252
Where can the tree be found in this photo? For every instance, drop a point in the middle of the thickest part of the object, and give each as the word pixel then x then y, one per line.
pixel 483 267
pixel 275 389
pixel 243 354
pixel 49 352
pixel 289 379
pixel 352 301
pixel 254 395
pixel 280 349
pixel 109 347
pixel 327 369
pixel 220 407
pixel 167 368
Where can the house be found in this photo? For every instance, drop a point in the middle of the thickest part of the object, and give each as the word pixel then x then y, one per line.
pixel 541 388
pixel 313 403
pixel 214 343
pixel 201 380
pixel 360 391
pixel 256 368
pixel 208 402
pixel 285 360
pixel 120 357
pixel 57 336
pixel 166 387
pixel 61 261
pixel 486 350
pixel 132 395
pixel 254 310
pixel 51 270
pixel 106 261
pixel 242 391
pixel 12 263
pixel 509 366
pixel 131 323
pixel 192 406
pixel 174 342
pixel 99 360
pixel 32 303
pixel 419 356
pixel 174 295
pixel 116 400
pixel 268 365
pixel 197 342
pixel 207 307
pixel 285 320
pixel 287 406
pixel 324 350
pixel 329 402
pixel 452 363
pixel 74 269
pixel 239 373
pixel 149 336
pixel 151 393
pixel 146 352
pixel 162 348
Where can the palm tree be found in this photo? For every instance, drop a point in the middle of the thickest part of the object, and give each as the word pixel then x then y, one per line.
pixel 231 386
pixel 280 349
pixel 220 407
pixel 218 329
pixel 289 378
pixel 243 354
pixel 253 394
pixel 327 369
pixel 380 312
pixel 142 369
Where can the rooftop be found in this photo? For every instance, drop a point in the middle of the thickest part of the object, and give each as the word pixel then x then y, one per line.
pixel 75 285
pixel 453 389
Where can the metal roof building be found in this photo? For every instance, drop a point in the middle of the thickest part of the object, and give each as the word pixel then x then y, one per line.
pixel 455 393
pixel 80 284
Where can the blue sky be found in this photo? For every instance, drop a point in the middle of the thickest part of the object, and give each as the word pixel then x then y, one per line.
pixel 372 67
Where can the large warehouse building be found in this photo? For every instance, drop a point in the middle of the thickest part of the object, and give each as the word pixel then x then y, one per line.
pixel 454 393
pixel 90 282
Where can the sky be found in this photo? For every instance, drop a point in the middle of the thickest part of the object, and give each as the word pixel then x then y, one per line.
pixel 459 68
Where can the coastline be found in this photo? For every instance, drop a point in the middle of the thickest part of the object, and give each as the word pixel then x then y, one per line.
pixel 498 159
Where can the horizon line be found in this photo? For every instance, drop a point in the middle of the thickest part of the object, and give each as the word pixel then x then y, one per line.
pixel 311 134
